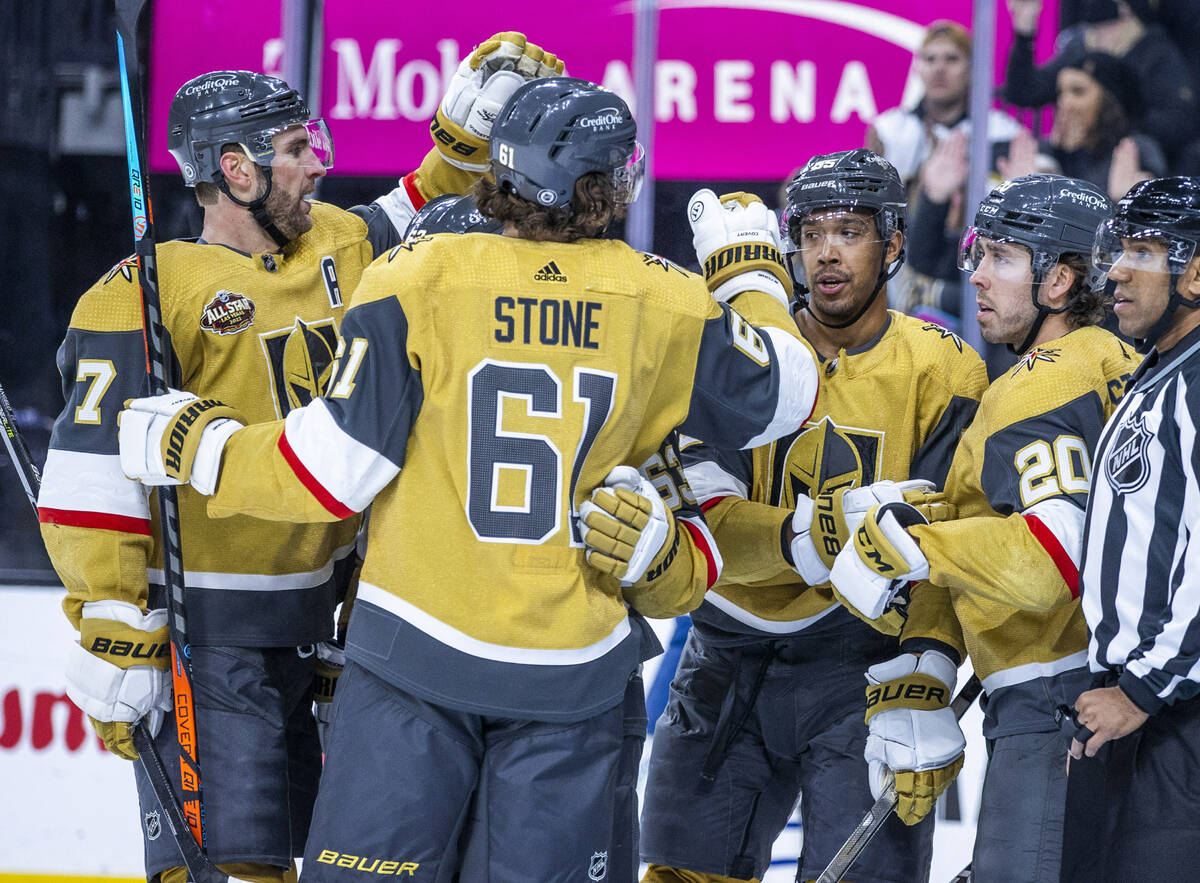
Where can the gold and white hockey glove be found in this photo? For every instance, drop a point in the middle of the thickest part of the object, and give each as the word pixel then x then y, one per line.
pixel 869 572
pixel 118 672
pixel 331 659
pixel 913 734
pixel 822 526
pixel 627 528
pixel 483 82
pixel 736 238
pixel 175 438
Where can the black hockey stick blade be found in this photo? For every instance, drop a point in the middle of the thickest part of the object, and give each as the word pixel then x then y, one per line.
pixel 200 869
pixel 886 803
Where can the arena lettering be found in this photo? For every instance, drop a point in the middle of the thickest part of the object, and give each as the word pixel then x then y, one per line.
pixel 548 321
pixel 373 82
pixel 51 718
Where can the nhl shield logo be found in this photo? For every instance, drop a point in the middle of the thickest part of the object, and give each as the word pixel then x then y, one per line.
pixel 598 866
pixel 153 825
pixel 1127 467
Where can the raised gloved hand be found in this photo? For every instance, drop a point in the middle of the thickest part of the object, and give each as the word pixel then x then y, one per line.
pixel 628 530
pixel 736 238
pixel 869 572
pixel 175 438
pixel 483 82
pixel 117 673
pixel 822 526
pixel 913 733
pixel 331 659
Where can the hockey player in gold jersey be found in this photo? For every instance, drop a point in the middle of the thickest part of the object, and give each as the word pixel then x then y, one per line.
pixel 492 393
pixel 766 703
pixel 251 312
pixel 1003 577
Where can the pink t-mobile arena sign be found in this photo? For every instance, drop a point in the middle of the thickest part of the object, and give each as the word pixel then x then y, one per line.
pixel 745 90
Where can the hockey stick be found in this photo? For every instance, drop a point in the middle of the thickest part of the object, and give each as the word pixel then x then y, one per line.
pixel 157 370
pixel 883 807
pixel 198 865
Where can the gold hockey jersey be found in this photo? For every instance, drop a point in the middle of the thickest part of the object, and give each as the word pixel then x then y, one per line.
pixel 893 409
pixel 1008 566
pixel 258 331
pixel 486 385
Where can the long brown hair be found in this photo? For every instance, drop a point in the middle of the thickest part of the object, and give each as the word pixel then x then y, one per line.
pixel 593 207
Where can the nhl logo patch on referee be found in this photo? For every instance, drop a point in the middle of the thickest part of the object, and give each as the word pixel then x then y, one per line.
pixel 1127 466
pixel 598 866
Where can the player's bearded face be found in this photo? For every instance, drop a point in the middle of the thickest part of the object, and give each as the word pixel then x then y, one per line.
pixel 841 255
pixel 294 173
pixel 1003 280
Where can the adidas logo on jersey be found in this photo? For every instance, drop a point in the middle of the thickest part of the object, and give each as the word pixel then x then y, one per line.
pixel 549 273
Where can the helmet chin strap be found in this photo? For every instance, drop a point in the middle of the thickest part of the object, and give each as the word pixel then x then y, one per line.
pixel 1163 325
pixel 800 293
pixel 258 209
pixel 1043 312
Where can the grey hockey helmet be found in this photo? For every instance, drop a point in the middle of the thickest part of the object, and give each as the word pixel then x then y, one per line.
pixel 1165 211
pixel 1050 215
pixel 236 107
pixel 450 213
pixel 858 180
pixel 555 130
pixel 851 180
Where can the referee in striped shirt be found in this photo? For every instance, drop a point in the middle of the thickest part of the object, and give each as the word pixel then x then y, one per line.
pixel 1133 792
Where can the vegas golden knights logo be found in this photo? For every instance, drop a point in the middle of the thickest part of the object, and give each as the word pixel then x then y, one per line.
pixel 299 360
pixel 824 457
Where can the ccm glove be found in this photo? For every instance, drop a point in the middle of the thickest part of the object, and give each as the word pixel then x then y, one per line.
pixel 176 438
pixel 871 570
pixel 737 243
pixel 912 732
pixel 822 526
pixel 331 659
pixel 628 530
pixel 117 673
pixel 483 82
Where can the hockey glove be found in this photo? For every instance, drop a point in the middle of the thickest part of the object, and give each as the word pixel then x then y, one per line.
pixel 913 733
pixel 483 82
pixel 737 243
pixel 627 528
pixel 175 438
pixel 117 673
pixel 869 572
pixel 331 659
pixel 822 526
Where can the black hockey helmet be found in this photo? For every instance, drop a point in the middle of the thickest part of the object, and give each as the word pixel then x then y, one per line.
pixel 854 180
pixel 451 213
pixel 235 107
pixel 1050 215
pixel 238 107
pixel 554 130
pixel 1165 210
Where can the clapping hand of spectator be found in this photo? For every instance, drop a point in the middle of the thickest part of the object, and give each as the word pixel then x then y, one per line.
pixel 1125 169
pixel 1025 15
pixel 945 172
pixel 1022 156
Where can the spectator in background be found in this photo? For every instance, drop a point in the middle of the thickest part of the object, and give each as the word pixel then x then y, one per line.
pixel 938 220
pixel 1167 106
pixel 1092 138
pixel 906 137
